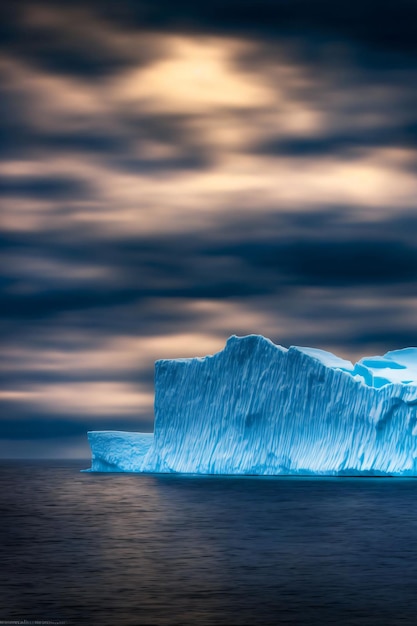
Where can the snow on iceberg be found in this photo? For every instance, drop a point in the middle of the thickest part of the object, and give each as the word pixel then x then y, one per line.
pixel 259 408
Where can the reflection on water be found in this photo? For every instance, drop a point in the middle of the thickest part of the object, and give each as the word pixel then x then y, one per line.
pixel 135 549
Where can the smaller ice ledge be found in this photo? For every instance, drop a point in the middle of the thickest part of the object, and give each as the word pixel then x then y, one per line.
pixel 118 451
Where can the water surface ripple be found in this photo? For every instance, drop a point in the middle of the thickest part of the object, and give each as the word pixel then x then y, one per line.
pixel 125 549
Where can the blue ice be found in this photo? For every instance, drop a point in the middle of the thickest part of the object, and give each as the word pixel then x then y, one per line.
pixel 259 408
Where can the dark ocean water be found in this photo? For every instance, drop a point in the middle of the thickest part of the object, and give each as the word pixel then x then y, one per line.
pixel 118 549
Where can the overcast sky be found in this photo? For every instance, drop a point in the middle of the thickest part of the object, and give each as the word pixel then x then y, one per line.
pixel 173 173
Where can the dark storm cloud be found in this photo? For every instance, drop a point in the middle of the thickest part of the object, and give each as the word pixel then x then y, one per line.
pixel 43 187
pixel 372 29
pixel 18 137
pixel 26 375
pixel 64 41
pixel 387 26
pixel 346 144
pixel 208 266
pixel 120 143
pixel 338 263
pixel 267 265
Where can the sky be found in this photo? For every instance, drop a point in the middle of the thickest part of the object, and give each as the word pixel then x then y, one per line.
pixel 173 172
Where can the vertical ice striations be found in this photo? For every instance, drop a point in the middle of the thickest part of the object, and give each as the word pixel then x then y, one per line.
pixel 258 408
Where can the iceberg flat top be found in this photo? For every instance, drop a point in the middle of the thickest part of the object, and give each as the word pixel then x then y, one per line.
pixel 397 366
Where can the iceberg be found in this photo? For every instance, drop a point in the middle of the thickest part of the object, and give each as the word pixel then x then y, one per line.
pixel 256 408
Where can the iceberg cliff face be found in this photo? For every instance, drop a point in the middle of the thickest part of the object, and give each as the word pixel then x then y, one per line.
pixel 258 408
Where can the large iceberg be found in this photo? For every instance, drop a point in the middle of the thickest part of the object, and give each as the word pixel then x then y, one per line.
pixel 258 408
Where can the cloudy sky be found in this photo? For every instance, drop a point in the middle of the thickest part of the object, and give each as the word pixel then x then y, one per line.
pixel 173 172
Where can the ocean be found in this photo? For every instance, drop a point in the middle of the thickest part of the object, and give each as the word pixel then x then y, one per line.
pixel 126 549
